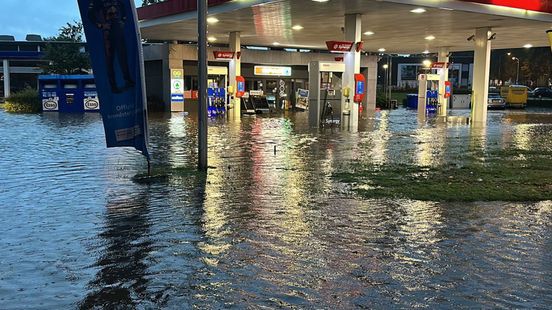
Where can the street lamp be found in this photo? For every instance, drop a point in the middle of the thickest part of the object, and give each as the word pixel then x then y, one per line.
pixel 517 75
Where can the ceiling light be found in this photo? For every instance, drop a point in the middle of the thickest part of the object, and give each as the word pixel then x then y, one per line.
pixel 257 48
pixel 381 50
pixel 290 49
pixel 304 51
pixel 369 33
pixel 297 27
pixel 211 39
pixel 427 63
pixel 426 52
pixel 320 0
pixel 385 66
pixel 276 43
pixel 418 11
pixel 212 20
pixel 430 38
pixel 528 45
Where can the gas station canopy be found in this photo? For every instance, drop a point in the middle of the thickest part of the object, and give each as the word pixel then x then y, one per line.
pixel 398 26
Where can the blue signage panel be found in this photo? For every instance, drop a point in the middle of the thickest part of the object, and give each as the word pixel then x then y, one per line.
pixel 177 98
pixel 115 47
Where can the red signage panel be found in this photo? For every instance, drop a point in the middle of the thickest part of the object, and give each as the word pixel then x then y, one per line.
pixel 439 65
pixel 223 55
pixel 339 46
pixel 544 6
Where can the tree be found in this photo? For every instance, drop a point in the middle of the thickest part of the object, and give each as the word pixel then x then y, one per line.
pixel 65 52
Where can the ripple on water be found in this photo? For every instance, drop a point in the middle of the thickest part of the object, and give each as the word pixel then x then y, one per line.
pixel 265 227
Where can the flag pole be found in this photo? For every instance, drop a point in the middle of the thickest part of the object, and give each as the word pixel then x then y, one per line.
pixel 202 64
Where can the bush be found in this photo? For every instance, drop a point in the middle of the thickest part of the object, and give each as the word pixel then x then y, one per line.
pixel 25 101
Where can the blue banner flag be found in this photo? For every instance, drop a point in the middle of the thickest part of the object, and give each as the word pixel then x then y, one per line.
pixel 115 47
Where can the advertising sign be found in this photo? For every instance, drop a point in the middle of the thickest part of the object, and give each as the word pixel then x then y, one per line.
pixel 339 46
pixel 303 93
pixel 50 101
pixel 115 47
pixel 91 101
pixel 272 71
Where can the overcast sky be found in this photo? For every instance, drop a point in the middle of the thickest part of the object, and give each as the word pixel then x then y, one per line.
pixel 44 17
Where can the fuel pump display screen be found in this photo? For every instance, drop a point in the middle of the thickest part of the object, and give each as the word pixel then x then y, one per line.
pixel 241 86
pixel 360 88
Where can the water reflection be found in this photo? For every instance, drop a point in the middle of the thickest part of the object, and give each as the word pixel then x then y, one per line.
pixel 121 281
pixel 266 227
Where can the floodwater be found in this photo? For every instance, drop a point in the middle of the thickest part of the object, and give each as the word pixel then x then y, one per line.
pixel 268 227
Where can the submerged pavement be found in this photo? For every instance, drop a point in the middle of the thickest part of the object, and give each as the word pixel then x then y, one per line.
pixel 269 226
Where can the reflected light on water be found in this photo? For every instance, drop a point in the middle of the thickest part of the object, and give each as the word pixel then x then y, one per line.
pixel 430 147
pixel 380 138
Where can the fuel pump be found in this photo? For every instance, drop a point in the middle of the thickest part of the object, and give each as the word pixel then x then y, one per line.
pixel 239 92
pixel 240 82
pixel 360 90
pixel 429 86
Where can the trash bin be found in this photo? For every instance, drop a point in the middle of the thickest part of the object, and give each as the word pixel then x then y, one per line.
pixel 412 101
pixel 68 93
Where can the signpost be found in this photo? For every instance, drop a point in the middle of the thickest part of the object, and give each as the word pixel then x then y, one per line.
pixel 177 90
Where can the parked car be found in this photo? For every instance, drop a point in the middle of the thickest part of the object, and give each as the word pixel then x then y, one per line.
pixel 495 101
pixel 542 92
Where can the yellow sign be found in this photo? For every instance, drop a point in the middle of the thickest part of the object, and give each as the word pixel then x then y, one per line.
pixel 272 71
pixel 177 73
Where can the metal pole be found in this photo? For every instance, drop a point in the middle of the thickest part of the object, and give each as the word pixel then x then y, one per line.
pixel 202 64
pixel 6 66
pixel 517 75
pixel 390 83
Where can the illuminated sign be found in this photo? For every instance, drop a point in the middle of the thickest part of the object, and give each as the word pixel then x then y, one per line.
pixel 339 46
pixel 439 65
pixel 433 77
pixel 223 55
pixel 532 5
pixel 177 85
pixel 272 71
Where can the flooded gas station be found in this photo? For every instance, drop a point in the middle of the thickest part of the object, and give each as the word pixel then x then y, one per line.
pixel 313 196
